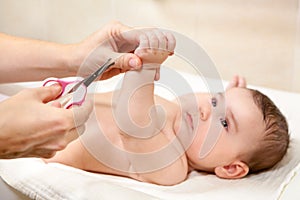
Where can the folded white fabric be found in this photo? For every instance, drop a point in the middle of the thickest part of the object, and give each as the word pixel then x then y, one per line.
pixel 38 180
pixel 55 181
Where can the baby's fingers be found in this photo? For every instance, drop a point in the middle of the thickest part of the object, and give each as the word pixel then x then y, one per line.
pixel 162 40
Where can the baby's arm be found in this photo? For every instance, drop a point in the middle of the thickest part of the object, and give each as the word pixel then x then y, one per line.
pixel 141 125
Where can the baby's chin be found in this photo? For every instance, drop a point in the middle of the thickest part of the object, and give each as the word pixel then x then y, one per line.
pixel 183 130
pixel 193 165
pixel 198 167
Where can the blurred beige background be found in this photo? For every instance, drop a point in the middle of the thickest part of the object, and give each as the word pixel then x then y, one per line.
pixel 259 39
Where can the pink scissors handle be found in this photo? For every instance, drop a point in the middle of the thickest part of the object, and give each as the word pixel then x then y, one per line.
pixel 65 83
pixel 66 99
pixel 75 98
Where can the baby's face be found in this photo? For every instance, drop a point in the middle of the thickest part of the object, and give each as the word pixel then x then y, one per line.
pixel 226 126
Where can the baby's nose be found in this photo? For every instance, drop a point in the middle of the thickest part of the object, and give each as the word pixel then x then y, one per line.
pixel 205 112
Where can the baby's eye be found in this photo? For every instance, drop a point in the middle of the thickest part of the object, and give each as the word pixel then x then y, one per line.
pixel 224 123
pixel 214 102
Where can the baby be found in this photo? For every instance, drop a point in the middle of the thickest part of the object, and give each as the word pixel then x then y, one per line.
pixel 155 140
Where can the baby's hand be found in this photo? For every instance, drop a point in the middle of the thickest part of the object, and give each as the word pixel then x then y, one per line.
pixel 237 81
pixel 154 48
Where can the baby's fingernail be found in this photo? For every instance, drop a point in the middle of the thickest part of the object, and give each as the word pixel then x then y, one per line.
pixel 133 63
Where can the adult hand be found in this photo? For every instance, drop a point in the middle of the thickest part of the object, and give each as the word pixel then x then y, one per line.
pixel 32 128
pixel 119 42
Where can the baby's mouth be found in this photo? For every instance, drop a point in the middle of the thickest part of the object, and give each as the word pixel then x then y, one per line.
pixel 189 120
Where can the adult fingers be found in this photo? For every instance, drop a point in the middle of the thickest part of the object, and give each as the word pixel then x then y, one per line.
pixel 37 152
pixel 162 46
pixel 82 113
pixel 153 40
pixel 46 94
pixel 74 134
pixel 163 40
pixel 110 73
pixel 130 35
pixel 171 44
pixel 128 61
pixel 42 153
pixel 143 45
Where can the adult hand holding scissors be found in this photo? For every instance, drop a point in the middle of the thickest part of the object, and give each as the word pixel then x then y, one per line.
pixel 52 128
pixel 32 128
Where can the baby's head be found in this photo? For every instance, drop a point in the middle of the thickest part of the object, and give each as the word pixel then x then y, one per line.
pixel 275 138
pixel 254 136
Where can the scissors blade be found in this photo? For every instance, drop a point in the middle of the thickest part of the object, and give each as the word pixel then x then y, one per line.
pixel 87 81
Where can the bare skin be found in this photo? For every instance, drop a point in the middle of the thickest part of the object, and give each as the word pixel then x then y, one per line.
pixel 127 122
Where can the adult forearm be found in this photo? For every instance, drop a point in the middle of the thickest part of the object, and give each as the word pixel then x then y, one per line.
pixel 29 60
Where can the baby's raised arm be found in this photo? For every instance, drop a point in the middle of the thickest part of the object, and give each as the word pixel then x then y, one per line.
pixel 141 122
pixel 137 109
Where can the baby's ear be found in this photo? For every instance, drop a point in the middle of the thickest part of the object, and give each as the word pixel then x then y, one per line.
pixel 237 81
pixel 235 170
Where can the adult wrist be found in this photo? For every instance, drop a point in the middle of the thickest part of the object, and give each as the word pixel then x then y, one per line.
pixel 74 58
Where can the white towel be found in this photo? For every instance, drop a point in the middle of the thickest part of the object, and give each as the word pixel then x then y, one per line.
pixel 38 180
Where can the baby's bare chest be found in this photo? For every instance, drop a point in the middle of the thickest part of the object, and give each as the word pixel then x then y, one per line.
pixel 110 126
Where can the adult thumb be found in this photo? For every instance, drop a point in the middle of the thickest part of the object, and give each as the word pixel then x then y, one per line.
pixel 48 93
pixel 128 61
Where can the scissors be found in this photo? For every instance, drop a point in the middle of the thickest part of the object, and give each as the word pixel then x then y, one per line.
pixel 74 89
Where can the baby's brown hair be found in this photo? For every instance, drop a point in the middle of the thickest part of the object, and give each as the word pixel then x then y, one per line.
pixel 275 142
